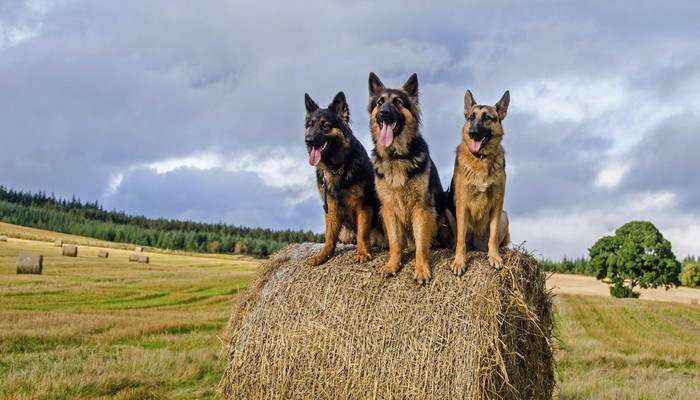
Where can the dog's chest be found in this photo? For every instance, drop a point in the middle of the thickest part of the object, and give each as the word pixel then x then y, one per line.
pixel 479 188
pixel 392 175
pixel 396 187
pixel 477 180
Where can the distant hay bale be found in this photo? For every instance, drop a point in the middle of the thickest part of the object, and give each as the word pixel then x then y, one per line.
pixel 138 249
pixel 693 301
pixel 30 264
pixel 143 259
pixel 133 258
pixel 3 238
pixel 70 251
pixel 103 254
pixel 343 331
pixel 58 243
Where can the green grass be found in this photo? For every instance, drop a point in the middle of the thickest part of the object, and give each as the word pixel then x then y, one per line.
pixel 106 328
pixel 627 348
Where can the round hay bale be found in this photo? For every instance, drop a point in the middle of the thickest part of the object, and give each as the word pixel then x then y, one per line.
pixel 342 330
pixel 138 249
pixel 133 258
pixel 58 243
pixel 70 251
pixel 103 254
pixel 30 264
pixel 143 259
pixel 3 238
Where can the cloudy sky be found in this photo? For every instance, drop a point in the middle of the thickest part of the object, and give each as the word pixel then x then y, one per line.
pixel 194 109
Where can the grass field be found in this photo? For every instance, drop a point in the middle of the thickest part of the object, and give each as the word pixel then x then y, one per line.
pixel 91 328
pixel 627 348
pixel 107 328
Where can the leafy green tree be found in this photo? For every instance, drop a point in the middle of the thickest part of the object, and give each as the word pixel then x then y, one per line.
pixel 691 274
pixel 638 255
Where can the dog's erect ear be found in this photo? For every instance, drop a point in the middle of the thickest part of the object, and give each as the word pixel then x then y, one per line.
pixel 411 86
pixel 502 105
pixel 311 105
pixel 340 106
pixel 469 101
pixel 375 85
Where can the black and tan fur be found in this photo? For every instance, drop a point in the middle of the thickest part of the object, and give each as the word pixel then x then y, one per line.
pixel 344 178
pixel 413 202
pixel 478 186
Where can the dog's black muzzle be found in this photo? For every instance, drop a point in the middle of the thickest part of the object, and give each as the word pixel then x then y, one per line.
pixel 388 114
pixel 478 132
pixel 315 140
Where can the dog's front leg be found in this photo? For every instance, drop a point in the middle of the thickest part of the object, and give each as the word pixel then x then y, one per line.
pixel 364 225
pixel 458 265
pixel 424 228
pixel 332 235
pixel 495 259
pixel 393 232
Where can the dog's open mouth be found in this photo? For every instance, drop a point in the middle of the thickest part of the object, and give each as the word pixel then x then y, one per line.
pixel 315 154
pixel 477 145
pixel 386 134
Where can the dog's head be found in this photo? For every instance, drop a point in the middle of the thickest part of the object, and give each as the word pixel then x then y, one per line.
pixel 394 113
pixel 327 129
pixel 483 130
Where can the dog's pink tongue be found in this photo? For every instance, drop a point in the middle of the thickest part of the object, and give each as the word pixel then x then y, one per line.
pixel 314 156
pixel 476 146
pixel 386 136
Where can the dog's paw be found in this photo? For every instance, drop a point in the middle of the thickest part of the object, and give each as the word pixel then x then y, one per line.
pixel 390 269
pixel 317 260
pixel 495 261
pixel 363 256
pixel 422 274
pixel 458 266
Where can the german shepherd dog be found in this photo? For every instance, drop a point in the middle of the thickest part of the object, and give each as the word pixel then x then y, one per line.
pixel 344 177
pixel 478 185
pixel 407 181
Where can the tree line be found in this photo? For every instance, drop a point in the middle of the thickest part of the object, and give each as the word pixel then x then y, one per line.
pixel 42 211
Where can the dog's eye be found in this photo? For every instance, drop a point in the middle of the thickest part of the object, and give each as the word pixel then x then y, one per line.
pixel 487 117
pixel 324 124
pixel 398 103
pixel 472 117
pixel 380 101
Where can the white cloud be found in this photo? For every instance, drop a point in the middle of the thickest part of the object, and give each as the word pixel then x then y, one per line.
pixel 611 175
pixel 197 161
pixel 685 239
pixel 557 233
pixel 571 99
pixel 27 22
pixel 277 169
pixel 113 185
pixel 280 170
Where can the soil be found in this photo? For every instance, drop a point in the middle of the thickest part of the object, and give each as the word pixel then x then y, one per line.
pixel 579 284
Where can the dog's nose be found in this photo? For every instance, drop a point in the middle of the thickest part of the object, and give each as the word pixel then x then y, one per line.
pixel 309 139
pixel 384 112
